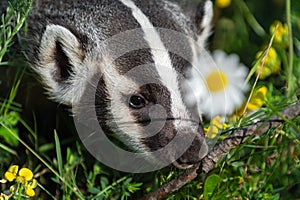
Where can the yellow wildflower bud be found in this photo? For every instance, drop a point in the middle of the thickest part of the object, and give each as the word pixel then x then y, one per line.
pixel 13 189
pixel 11 174
pixel 223 3
pixel 240 179
pixel 215 125
pixel 33 184
pixel 29 188
pixel 281 34
pixel 258 98
pixel 29 192
pixel 271 65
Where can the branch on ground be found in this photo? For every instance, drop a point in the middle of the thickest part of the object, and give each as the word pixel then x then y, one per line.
pixel 238 137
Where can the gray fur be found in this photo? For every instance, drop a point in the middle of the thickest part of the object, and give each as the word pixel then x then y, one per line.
pixel 66 45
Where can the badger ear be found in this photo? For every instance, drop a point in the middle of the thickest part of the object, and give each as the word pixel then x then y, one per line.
pixel 203 19
pixel 60 64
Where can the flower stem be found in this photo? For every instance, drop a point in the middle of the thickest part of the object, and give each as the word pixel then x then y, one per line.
pixel 291 50
pixel 78 194
pixel 258 75
pixel 258 29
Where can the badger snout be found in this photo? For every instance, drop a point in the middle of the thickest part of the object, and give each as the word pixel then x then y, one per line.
pixel 197 150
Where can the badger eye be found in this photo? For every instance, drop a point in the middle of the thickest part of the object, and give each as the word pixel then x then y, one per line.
pixel 137 101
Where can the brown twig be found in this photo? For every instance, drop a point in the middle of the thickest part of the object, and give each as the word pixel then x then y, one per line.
pixel 238 137
pixel 174 184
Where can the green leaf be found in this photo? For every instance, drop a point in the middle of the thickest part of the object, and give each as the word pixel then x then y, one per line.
pixel 58 154
pixel 211 185
pixel 46 147
pixel 134 187
pixel 93 190
pixel 104 182
pixel 237 164
pixel 7 149
pixel 12 118
pixel 8 137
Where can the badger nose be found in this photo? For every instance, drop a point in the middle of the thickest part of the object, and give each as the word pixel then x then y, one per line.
pixel 194 154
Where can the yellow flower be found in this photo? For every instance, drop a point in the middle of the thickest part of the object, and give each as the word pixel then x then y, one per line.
pixel 216 124
pixel 258 98
pixel 223 3
pixel 29 188
pixel 11 174
pixel 25 175
pixel 281 35
pixel 4 196
pixel 240 179
pixel 23 179
pixel 271 65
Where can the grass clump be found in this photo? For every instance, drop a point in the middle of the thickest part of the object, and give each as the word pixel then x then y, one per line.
pixel 266 167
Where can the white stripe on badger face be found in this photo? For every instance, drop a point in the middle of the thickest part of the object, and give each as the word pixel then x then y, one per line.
pixel 118 86
pixel 162 61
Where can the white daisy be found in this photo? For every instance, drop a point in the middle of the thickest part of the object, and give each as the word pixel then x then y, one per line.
pixel 218 83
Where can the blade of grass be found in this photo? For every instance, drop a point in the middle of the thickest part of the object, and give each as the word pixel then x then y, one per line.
pixel 277 112
pixel 32 132
pixel 258 29
pixel 13 92
pixel 45 190
pixel 9 28
pixel 291 50
pixel 78 193
pixel 254 68
pixel 109 187
pixel 9 150
pixel 257 77
pixel 58 154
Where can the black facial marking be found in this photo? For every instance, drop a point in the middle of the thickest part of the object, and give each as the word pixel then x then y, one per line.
pixel 199 16
pixel 155 94
pixel 133 59
pixel 102 104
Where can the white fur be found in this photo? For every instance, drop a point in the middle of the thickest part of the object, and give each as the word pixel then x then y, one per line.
pixel 118 87
pixel 70 92
pixel 198 48
pixel 162 62
pixel 206 23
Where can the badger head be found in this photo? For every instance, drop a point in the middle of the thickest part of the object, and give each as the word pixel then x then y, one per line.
pixel 131 82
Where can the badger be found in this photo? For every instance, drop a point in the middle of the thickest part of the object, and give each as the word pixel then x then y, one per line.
pixel 124 61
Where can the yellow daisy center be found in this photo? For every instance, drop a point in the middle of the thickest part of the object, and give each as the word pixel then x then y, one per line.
pixel 216 81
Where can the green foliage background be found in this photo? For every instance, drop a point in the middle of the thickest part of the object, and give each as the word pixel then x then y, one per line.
pixel 39 134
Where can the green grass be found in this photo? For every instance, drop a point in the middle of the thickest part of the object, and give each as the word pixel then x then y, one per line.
pixel 266 167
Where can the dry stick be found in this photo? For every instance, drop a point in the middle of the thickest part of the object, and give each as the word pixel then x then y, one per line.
pixel 173 185
pixel 238 137
pixel 258 75
pixel 242 134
